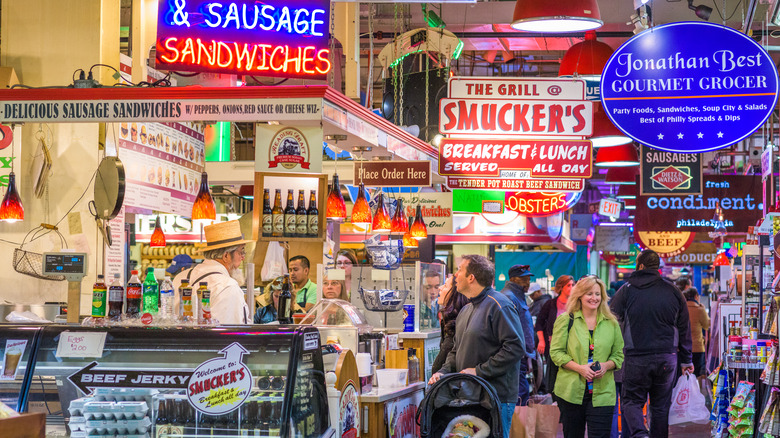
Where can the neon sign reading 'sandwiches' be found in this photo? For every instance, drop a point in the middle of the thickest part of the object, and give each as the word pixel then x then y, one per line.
pixel 282 38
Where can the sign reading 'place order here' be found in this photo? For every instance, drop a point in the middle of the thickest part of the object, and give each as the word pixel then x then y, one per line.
pixel 689 87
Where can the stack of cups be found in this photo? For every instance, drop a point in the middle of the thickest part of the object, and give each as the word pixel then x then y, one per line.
pixel 364 372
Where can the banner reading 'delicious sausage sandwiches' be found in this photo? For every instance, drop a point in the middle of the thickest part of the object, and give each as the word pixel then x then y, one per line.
pixel 689 87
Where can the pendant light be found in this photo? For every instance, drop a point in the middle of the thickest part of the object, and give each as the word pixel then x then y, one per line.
pixel 203 208
pixel 336 207
pixel 617 156
pixel 552 16
pixel 158 237
pixel 400 223
pixel 418 229
pixel 361 211
pixel 381 222
pixel 11 210
pixel 622 175
pixel 721 259
pixel 408 240
pixel 605 133
pixel 626 192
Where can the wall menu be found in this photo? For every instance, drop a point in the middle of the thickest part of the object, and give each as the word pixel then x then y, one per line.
pixel 689 87
pixel 739 196
pixel 163 163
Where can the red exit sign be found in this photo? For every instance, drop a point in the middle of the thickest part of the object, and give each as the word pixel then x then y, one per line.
pixel 609 208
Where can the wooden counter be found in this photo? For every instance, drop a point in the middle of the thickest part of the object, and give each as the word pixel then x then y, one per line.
pixel 375 423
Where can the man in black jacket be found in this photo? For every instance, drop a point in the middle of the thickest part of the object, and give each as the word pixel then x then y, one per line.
pixel 488 335
pixel 654 319
pixel 515 289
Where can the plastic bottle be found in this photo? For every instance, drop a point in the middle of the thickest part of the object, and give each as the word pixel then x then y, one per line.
pixel 134 293
pixel 151 293
pixel 185 291
pixel 204 316
pixel 116 297
pixel 166 298
pixel 414 366
pixel 99 298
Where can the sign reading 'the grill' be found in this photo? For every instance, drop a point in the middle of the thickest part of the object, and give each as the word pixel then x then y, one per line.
pixel 668 173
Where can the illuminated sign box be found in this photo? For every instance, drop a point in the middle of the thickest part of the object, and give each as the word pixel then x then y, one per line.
pixel 286 38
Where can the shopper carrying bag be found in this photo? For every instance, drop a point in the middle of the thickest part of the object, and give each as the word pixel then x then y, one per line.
pixel 587 346
pixel 688 403
pixel 539 419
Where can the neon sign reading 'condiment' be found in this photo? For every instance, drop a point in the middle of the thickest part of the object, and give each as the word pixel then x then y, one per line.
pixel 275 38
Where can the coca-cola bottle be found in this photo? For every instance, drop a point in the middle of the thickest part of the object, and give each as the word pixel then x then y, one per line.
pixel 134 291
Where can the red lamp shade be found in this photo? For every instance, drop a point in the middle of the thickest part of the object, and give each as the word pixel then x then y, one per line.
pixel 629 204
pixel 399 224
pixel 382 222
pixel 617 156
pixel 605 133
pixel 204 207
pixel 418 229
pixel 409 241
pixel 622 175
pixel 336 207
pixel 721 260
pixel 361 211
pixel 556 15
pixel 11 209
pixel 627 192
pixel 586 59
pixel 158 237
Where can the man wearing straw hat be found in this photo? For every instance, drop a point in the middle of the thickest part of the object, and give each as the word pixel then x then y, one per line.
pixel 223 254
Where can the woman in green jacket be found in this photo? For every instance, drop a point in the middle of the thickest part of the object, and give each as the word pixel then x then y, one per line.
pixel 587 345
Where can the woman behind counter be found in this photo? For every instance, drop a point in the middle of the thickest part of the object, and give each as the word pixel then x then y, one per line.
pixel 450 302
pixel 587 345
pixel 269 302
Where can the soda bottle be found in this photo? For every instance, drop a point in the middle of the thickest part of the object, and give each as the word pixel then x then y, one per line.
pixel 151 293
pixel 205 303
pixel 284 313
pixel 166 298
pixel 185 291
pixel 116 297
pixel 268 223
pixel 134 293
pixel 99 298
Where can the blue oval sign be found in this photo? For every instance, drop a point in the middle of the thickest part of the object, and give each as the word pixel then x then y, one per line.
pixel 689 87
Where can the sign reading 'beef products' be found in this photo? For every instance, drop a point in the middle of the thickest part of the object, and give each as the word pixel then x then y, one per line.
pixel 668 173
pixel 739 196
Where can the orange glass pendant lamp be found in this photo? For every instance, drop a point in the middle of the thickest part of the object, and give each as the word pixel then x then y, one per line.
pixel 400 223
pixel 419 230
pixel 408 240
pixel 336 207
pixel 382 222
pixel 11 209
pixel 203 208
pixel 361 211
pixel 158 237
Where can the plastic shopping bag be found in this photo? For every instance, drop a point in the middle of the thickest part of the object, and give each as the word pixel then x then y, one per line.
pixel 688 404
pixel 274 264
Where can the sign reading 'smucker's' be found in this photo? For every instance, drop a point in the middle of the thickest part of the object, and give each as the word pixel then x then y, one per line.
pixel 689 87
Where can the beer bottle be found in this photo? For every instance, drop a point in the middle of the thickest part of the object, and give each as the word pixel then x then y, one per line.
pixel 161 426
pixel 134 288
pixel 313 214
pixel 268 227
pixel 278 215
pixel 284 312
pixel 301 219
pixel 190 423
pixel 275 422
pixel 176 417
pixel 116 298
pixel 99 298
pixel 289 216
pixel 205 303
pixel 185 291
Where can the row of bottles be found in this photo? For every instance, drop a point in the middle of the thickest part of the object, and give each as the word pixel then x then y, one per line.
pixel 148 297
pixel 290 222
pixel 176 417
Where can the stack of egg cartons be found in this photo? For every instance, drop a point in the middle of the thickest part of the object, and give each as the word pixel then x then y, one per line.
pixel 116 413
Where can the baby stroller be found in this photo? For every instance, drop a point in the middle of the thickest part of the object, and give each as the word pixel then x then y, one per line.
pixel 455 395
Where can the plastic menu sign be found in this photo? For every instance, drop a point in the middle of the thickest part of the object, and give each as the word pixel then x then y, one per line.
pixel 12 355
pixel 81 344
pixel 221 385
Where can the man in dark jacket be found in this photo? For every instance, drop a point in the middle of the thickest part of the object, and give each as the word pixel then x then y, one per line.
pixel 654 319
pixel 515 289
pixel 488 335
pixel 539 296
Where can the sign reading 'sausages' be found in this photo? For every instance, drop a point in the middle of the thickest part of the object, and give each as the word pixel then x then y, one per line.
pixel 689 87
pixel 669 173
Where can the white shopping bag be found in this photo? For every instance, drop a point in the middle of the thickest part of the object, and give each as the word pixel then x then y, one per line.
pixel 274 264
pixel 688 404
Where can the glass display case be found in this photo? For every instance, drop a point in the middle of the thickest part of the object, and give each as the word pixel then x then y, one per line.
pixel 173 381
pixel 339 322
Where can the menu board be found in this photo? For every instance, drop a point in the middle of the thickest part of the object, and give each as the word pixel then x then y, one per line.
pixel 163 164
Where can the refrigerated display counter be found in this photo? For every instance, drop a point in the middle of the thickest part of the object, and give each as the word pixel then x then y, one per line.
pixel 169 381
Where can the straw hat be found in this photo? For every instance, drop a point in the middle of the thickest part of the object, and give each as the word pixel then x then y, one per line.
pixel 221 235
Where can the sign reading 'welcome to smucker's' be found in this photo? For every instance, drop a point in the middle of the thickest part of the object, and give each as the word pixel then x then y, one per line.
pixel 689 87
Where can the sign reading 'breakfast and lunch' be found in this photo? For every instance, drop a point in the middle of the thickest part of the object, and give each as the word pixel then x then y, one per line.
pixel 689 87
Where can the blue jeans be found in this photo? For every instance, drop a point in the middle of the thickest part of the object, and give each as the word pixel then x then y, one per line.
pixel 507 410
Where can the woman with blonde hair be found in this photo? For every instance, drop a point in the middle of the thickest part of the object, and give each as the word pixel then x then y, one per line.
pixel 587 345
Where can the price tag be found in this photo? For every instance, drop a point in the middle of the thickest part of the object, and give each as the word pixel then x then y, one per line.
pixel 81 344
pixel 380 275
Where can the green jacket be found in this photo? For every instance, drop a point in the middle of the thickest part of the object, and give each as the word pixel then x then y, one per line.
pixel 573 345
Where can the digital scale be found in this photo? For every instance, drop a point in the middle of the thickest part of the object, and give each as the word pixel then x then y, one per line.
pixel 73 266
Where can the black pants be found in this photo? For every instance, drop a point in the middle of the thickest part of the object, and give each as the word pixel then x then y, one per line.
pixel 648 375
pixel 576 417
pixel 699 365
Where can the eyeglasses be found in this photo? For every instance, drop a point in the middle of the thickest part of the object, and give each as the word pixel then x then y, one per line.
pixel 241 252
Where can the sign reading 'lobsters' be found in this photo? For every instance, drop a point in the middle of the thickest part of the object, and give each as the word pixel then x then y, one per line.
pixel 689 87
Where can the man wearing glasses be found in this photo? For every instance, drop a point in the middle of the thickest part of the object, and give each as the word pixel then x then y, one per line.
pixel 223 254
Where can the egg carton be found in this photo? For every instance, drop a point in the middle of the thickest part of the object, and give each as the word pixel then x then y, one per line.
pixel 123 410
pixel 117 427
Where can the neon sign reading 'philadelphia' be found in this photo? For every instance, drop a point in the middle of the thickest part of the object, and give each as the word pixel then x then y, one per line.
pixel 285 38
